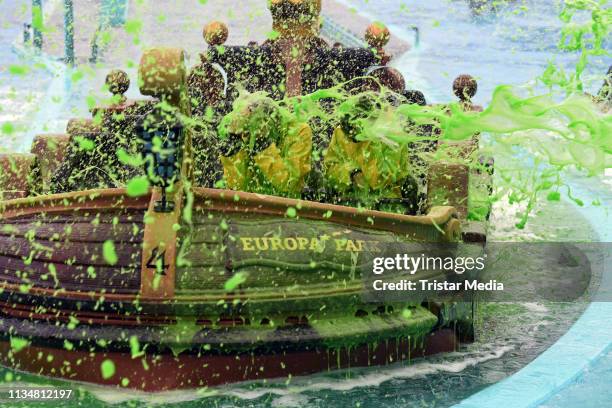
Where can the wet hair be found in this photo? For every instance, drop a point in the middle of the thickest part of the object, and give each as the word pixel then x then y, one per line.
pixel 263 115
pixel 465 87
pixel 363 107
pixel 265 109
pixel 367 103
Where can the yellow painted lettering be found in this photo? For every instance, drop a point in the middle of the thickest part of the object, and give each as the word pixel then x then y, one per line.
pixel 314 244
pixel 261 244
pixel 291 244
pixel 276 244
pixel 350 246
pixel 340 244
pixel 303 243
pixel 247 244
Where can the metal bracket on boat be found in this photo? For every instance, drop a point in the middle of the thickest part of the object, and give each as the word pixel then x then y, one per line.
pixel 164 205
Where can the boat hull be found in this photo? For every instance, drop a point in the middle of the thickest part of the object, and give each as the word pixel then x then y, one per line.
pixel 162 314
pixel 164 372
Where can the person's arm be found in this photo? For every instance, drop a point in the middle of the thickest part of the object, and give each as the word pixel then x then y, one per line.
pixel 383 167
pixel 286 169
pixel 339 169
pixel 235 170
pixel 372 161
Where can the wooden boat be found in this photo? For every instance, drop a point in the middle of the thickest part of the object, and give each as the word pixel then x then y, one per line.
pixel 287 318
pixel 104 287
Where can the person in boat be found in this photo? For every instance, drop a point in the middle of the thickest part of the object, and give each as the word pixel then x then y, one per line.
pixel 368 172
pixel 263 152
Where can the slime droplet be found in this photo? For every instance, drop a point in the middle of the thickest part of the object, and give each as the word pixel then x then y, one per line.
pixel 107 368
pixel 110 255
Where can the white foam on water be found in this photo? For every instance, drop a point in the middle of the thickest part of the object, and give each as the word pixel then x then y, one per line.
pixel 375 377
pixel 504 217
pixel 291 401
pixel 18 107
pixel 535 307
pixel 293 395
pixel 115 396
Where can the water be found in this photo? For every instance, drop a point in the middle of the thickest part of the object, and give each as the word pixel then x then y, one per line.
pixel 591 390
pixel 507 46
pixel 19 94
pixel 497 47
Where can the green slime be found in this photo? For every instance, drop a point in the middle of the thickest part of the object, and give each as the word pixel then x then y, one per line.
pixel 573 132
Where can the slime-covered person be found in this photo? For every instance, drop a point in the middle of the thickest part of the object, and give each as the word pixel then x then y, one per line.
pixel 263 151
pixel 360 164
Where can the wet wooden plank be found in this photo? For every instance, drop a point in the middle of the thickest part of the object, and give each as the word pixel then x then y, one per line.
pixel 203 254
pixel 211 278
pixel 202 278
pixel 70 277
pixel 204 234
pixel 82 253
pixel 76 232
pixel 102 217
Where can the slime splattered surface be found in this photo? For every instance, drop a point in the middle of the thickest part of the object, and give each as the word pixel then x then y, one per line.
pixel 551 132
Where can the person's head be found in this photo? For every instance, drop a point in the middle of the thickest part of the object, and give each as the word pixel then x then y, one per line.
pixel 256 119
pixel 465 87
pixel 360 109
